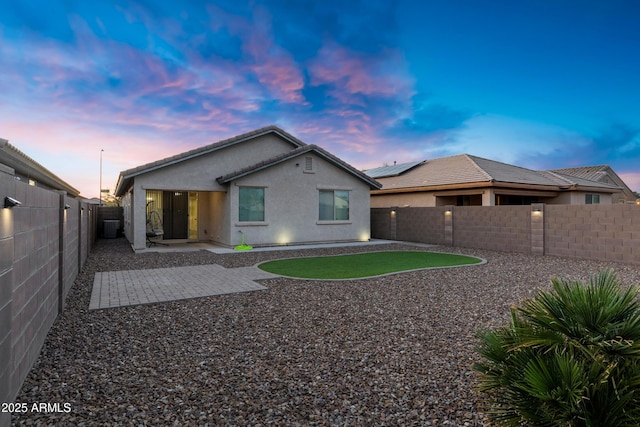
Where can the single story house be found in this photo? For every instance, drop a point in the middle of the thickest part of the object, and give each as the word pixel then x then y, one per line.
pixel 602 173
pixel 27 170
pixel 266 186
pixel 466 180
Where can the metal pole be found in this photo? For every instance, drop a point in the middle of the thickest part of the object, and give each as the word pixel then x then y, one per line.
pixel 101 177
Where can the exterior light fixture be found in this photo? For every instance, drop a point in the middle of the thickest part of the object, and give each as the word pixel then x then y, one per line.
pixel 10 202
pixel 67 207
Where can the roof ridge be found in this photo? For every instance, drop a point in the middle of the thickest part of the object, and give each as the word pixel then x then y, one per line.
pixel 293 153
pixel 205 149
pixel 477 166
pixel 600 166
pixel 558 176
pixel 574 180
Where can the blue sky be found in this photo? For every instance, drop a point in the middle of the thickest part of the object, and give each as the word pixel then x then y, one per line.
pixel 541 84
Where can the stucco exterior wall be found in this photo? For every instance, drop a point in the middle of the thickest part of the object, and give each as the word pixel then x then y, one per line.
pixel 291 196
pixel 213 226
pixel 199 174
pixel 127 212
pixel 292 205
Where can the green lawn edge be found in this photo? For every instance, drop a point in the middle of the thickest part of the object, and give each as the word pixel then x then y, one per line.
pixel 365 265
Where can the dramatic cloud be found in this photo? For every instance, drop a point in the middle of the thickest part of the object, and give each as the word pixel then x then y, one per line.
pixel 371 81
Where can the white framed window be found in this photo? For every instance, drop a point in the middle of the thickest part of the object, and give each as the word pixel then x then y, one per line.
pixel 334 205
pixel 251 204
pixel 591 199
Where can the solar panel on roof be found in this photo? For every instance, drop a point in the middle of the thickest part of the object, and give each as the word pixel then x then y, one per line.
pixel 393 170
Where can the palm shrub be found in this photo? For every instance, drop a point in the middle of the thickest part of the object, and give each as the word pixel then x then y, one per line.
pixel 569 357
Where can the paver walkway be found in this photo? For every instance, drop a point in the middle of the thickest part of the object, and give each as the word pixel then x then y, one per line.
pixel 133 287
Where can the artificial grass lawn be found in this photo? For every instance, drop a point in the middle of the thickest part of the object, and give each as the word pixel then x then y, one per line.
pixel 363 265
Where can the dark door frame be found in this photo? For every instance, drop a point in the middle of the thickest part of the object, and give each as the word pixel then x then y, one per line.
pixel 175 214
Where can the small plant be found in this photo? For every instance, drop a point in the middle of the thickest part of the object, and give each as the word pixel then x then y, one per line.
pixel 570 357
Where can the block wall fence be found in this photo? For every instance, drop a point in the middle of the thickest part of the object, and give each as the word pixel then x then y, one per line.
pixel 594 232
pixel 44 243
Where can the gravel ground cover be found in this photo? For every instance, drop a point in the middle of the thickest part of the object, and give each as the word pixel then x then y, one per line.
pixel 394 350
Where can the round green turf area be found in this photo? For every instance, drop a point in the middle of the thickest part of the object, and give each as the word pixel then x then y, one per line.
pixel 363 265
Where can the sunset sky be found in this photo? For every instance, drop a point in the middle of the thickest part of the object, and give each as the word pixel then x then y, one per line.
pixel 540 84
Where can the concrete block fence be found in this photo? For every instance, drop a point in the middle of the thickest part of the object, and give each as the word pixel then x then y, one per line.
pixel 594 232
pixel 44 242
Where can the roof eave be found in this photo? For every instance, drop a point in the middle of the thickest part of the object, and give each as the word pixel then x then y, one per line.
pixel 153 166
pixel 25 165
pixel 467 185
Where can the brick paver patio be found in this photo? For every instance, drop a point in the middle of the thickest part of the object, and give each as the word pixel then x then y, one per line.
pixel 133 287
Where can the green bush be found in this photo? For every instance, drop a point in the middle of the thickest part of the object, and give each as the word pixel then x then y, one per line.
pixel 570 357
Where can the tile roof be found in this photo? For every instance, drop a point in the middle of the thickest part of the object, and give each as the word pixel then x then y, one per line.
pixel 468 169
pixel 295 153
pixel 601 174
pixel 124 180
pixel 582 182
pixel 24 165
pixel 593 173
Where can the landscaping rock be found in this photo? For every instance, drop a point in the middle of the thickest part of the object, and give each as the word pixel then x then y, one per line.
pixel 394 350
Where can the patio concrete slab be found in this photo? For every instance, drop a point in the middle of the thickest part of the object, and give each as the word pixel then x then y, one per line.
pixel 133 287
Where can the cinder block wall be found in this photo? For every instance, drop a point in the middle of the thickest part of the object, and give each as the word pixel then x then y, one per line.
pixel 69 245
pixel 381 224
pixel 35 275
pixel 409 224
pixel 7 186
pixel 596 232
pixel 43 246
pixel 419 225
pixel 600 232
pixel 498 228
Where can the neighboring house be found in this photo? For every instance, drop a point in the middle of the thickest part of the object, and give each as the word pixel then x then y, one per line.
pixel 602 173
pixel 466 180
pixel 27 170
pixel 266 184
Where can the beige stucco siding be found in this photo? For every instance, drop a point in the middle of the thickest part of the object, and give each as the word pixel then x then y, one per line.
pixel 214 224
pixel 292 204
pixel 199 174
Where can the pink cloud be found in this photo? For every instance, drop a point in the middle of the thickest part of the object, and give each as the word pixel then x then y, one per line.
pixel 272 65
pixel 352 73
pixel 71 149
